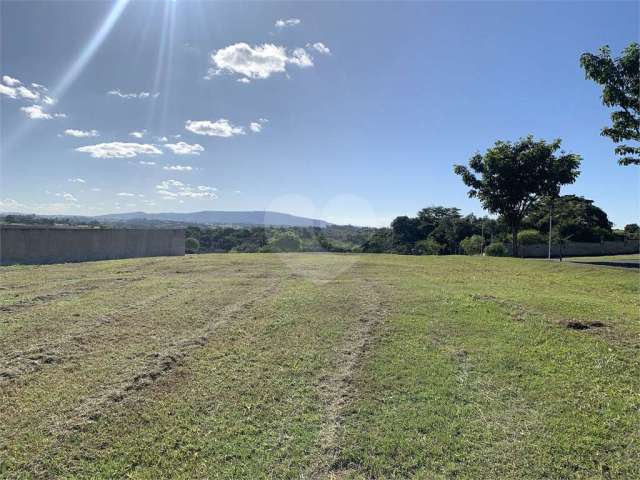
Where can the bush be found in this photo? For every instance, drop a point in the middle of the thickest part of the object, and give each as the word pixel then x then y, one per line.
pixel 495 250
pixel 285 242
pixel 530 237
pixel 428 247
pixel 472 245
pixel 191 245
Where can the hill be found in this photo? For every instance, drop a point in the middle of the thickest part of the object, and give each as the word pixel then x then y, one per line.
pixel 215 217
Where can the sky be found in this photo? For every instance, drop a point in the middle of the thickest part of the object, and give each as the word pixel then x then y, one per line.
pixel 354 112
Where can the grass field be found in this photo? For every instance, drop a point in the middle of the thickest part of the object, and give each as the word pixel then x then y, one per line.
pixel 319 366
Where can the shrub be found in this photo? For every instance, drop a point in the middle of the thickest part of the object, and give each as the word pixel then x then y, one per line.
pixel 191 245
pixel 495 250
pixel 472 245
pixel 285 242
pixel 530 237
pixel 428 247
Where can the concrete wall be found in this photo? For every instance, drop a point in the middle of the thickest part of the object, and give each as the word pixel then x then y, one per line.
pixel 579 249
pixel 32 244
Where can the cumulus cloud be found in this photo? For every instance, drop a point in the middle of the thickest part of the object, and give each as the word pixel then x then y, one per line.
pixel 289 22
pixel 80 133
pixel 256 127
pixel 320 48
pixel 139 95
pixel 243 80
pixel 11 204
pixel 183 148
pixel 142 162
pixel 76 180
pixel 174 189
pixel 138 134
pixel 119 150
pixel 178 168
pixel 12 82
pixel 34 95
pixel 36 112
pixel 219 128
pixel 257 62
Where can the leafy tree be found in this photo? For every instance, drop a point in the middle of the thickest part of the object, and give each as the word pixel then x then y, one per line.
pixel 428 246
pixel 573 216
pixel 632 228
pixel 191 245
pixel 510 177
pixel 620 81
pixel 530 237
pixel 472 245
pixel 380 242
pixel 406 232
pixel 495 250
pixel 285 242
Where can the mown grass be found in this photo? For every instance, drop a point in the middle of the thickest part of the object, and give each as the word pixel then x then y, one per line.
pixel 395 367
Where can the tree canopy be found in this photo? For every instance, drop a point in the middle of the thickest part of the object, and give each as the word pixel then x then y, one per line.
pixel 510 176
pixel 574 217
pixel 620 81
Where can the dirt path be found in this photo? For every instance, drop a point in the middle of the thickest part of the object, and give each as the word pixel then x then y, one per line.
pixel 338 391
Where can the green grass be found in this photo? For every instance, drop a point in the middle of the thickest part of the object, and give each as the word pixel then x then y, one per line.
pixel 319 366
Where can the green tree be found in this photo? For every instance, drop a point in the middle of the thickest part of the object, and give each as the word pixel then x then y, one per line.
pixel 620 81
pixel 191 245
pixel 472 245
pixel 510 177
pixel 573 216
pixel 285 242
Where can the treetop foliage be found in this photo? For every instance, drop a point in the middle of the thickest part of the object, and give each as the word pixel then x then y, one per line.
pixel 620 81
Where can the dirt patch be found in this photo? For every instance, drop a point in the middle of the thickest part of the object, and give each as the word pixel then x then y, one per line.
pixel 29 361
pixel 44 299
pixel 576 325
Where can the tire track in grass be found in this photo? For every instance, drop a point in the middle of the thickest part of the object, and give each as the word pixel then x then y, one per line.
pixel 337 391
pixel 159 364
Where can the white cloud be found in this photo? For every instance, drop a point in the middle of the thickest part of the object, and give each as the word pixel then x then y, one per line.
pixel 260 61
pixel 118 93
pixel 126 194
pixel 119 150
pixel 174 189
pixel 289 22
pixel 139 134
pixel 142 162
pixel 161 139
pixel 35 112
pixel 301 58
pixel 96 189
pixel 178 168
pixel 219 128
pixel 10 203
pixel 67 196
pixel 80 133
pixel 24 92
pixel 76 180
pixel 12 82
pixel 183 148
pixel 243 80
pixel 257 126
pixel 320 48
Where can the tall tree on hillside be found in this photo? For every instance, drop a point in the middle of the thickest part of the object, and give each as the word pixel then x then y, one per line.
pixel 620 81
pixel 510 177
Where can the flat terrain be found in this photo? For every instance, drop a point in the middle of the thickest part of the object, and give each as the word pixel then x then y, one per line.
pixel 319 366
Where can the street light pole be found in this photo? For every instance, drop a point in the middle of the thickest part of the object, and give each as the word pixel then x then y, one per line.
pixel 550 225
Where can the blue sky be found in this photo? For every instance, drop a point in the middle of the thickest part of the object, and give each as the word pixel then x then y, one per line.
pixel 353 111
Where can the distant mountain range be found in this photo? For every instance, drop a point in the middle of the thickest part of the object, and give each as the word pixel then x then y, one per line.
pixel 214 217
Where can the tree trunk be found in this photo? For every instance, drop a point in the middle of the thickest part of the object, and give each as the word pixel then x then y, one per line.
pixel 514 240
